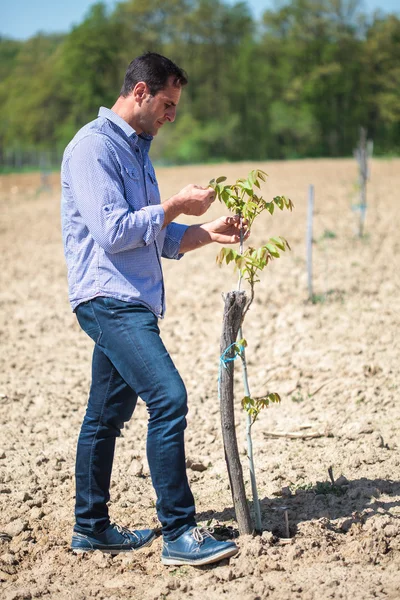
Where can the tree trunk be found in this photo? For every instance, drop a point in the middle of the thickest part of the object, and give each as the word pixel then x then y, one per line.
pixel 234 305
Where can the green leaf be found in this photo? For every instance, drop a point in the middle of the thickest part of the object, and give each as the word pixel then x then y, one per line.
pixel 221 256
pixel 274 397
pixel 224 196
pixel 262 175
pixel 273 250
pixel 279 202
pixel 252 178
pixel 229 255
pixel 221 179
pixel 279 243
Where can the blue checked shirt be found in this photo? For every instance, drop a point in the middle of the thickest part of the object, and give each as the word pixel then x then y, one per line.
pixel 112 218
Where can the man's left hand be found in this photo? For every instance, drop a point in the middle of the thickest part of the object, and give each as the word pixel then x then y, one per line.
pixel 226 230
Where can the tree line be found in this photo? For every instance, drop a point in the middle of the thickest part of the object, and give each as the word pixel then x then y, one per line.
pixel 298 82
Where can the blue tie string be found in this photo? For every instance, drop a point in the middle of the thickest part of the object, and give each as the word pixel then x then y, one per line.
pixel 224 360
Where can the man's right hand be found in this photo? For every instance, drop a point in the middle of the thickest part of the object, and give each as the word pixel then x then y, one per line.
pixel 192 200
pixel 195 200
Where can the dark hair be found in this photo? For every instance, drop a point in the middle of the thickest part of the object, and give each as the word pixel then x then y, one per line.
pixel 153 69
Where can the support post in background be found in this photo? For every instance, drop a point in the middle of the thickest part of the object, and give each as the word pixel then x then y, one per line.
pixel 361 154
pixel 44 164
pixel 309 240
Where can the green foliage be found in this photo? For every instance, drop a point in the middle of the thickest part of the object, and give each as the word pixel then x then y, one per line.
pixel 241 199
pixel 253 406
pixel 298 83
pixel 326 487
pixel 328 235
pixel 253 259
pixel 297 398
pixel 322 488
pixel 318 299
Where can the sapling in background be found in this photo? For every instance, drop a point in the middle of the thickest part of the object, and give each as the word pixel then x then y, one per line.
pixel 242 198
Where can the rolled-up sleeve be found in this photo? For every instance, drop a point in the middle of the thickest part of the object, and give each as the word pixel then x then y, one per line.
pixel 98 191
pixel 172 242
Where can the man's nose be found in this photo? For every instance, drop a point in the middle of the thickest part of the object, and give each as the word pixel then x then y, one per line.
pixel 171 114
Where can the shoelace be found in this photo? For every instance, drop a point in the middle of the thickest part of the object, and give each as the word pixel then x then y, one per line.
pixel 200 533
pixel 127 533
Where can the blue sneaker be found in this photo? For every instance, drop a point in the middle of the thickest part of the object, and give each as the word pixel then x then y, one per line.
pixel 113 540
pixel 196 547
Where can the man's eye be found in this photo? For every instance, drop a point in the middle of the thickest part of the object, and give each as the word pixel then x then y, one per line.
pixel 167 105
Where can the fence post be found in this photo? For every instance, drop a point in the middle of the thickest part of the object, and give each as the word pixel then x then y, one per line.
pixel 309 240
pixel 361 153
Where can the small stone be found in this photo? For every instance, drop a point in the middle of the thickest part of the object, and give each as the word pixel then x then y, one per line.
pixel 365 428
pixel 16 527
pixel 8 559
pixel 392 531
pixel 342 480
pixel 268 538
pixel 23 497
pixel 173 584
pixel 36 513
pixel 354 462
pixel 286 492
pixel 354 493
pixel 320 498
pixel 377 440
pixel 100 559
pixel 2 453
pixel 225 574
pixel 132 498
pixel 136 468
pixel 195 465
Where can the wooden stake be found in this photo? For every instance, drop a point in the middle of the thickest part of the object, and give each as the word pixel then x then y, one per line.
pixel 310 240
pixel 361 155
pixel 234 305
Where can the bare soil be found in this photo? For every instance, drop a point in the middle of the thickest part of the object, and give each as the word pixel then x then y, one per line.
pixel 335 362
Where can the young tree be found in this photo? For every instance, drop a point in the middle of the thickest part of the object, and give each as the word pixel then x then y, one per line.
pixel 242 198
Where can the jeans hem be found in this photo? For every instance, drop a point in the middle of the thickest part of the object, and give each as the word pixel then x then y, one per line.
pixel 173 535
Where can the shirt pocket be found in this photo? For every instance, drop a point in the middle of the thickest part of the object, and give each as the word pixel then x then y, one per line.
pixel 131 173
pixel 133 187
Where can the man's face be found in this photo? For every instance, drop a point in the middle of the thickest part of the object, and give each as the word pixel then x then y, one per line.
pixel 157 110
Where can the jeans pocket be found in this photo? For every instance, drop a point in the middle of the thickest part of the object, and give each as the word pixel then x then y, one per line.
pixel 112 304
pixel 88 321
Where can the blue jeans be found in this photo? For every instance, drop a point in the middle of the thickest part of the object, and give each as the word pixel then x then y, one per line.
pixel 130 360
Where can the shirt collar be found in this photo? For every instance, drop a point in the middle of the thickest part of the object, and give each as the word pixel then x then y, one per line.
pixel 143 140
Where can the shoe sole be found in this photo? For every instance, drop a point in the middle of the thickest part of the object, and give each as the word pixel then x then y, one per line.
pixel 203 561
pixel 113 552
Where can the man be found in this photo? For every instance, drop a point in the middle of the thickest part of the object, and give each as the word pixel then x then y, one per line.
pixel 115 232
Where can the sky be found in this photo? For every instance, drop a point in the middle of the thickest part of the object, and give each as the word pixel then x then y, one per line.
pixel 21 19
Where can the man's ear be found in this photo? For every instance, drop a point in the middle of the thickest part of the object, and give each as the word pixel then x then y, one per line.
pixel 141 92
